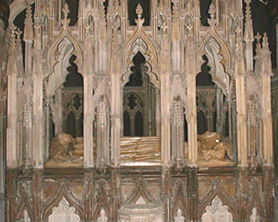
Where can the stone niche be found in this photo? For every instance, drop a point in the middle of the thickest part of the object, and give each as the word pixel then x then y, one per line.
pixel 141 211
pixel 217 212
pixel 64 213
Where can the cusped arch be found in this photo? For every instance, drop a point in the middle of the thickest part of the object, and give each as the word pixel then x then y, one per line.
pixel 52 58
pixel 58 62
pixel 63 192
pixel 222 195
pixel 224 50
pixel 58 57
pixel 139 42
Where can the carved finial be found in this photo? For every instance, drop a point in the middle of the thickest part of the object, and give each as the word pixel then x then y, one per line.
pixel 265 41
pixel 139 12
pixel 18 34
pixel 28 30
pixel 258 40
pixel 248 35
pixel 240 61
pixel 212 11
pixel 66 11
pixel 13 39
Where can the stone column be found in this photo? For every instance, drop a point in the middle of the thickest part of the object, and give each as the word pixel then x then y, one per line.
pixel 116 192
pixel 11 194
pixel 240 73
pixel 192 118
pixel 37 194
pixel 38 129
pixel 4 14
pixel 88 121
pixel 116 119
pixel 12 157
pixel 266 74
pixel 3 108
pixel 165 119
pixel 241 120
pixel 89 193
pixel 192 192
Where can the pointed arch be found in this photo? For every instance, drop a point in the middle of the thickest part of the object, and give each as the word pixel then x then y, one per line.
pixel 180 202
pixel 24 205
pixel 224 50
pixel 63 192
pixel 140 42
pixel 255 200
pixel 140 191
pixel 102 203
pixel 57 60
pixel 217 191
pixel 54 48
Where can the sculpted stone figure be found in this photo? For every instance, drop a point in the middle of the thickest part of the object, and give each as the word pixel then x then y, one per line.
pixel 213 146
pixel 65 148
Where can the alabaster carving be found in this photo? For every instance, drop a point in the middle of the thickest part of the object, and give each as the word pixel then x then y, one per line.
pixel 64 148
pixel 141 211
pixel 158 177
pixel 213 146
pixel 217 212
pixel 64 213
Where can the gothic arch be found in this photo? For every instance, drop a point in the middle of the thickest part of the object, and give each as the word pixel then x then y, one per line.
pixel 255 200
pixel 58 57
pixel 102 203
pixel 180 202
pixel 140 42
pixel 63 192
pixel 24 205
pixel 216 61
pixel 218 191
pixel 140 191
pixel 54 49
pixel 224 49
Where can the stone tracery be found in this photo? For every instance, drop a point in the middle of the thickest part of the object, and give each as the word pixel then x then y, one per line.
pixel 159 92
